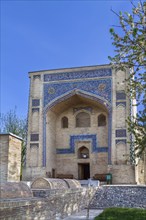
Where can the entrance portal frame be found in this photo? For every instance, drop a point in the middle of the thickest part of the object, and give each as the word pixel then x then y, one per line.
pixel 89 96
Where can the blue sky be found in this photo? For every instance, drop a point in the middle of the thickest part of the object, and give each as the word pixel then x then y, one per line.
pixel 39 35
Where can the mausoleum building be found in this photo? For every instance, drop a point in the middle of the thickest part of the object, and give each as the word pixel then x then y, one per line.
pixel 77 124
pixel 10 157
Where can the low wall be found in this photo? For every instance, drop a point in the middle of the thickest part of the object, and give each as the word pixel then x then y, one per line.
pixel 46 204
pixel 128 196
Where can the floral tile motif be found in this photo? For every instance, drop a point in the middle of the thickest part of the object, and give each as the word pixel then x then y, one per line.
pixel 90 86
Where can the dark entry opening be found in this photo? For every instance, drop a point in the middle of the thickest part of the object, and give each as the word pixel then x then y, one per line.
pixel 84 171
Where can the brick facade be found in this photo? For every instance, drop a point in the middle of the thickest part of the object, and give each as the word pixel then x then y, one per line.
pixel 94 90
pixel 10 157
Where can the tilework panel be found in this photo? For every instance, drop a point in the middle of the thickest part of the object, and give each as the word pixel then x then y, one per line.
pixel 95 85
pixel 90 86
pixel 44 140
pixel 109 136
pixel 78 75
pixel 121 103
pixel 121 133
pixel 121 140
pixel 102 149
pixel 74 138
pixel 120 95
pixel 36 77
pixel 34 145
pixel 34 137
pixel 35 110
pixel 35 102
pixel 82 94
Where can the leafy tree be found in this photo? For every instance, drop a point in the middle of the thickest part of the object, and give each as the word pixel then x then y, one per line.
pixel 12 123
pixel 129 40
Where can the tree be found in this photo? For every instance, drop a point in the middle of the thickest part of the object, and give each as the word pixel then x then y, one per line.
pixel 12 123
pixel 130 50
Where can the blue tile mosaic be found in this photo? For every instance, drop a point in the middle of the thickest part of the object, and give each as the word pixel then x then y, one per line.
pixel 99 89
pixel 82 94
pixel 36 77
pixel 102 149
pixel 34 145
pixel 44 140
pixel 90 86
pixel 121 141
pixel 34 137
pixel 35 102
pixel 121 133
pixel 78 74
pixel 109 136
pixel 35 110
pixel 120 95
pixel 88 137
pixel 121 103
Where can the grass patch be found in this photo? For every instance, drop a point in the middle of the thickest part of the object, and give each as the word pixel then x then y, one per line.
pixel 122 214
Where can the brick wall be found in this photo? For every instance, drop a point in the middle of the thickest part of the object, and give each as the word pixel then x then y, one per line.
pixel 10 157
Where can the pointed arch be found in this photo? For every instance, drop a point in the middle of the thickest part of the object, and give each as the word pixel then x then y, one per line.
pixel 83 152
pixel 64 122
pixel 83 119
pixel 96 98
pixel 101 120
pixel 105 103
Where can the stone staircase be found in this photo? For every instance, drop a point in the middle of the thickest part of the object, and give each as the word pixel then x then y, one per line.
pixel 131 196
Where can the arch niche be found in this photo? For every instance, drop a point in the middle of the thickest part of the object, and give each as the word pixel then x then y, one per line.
pixel 56 141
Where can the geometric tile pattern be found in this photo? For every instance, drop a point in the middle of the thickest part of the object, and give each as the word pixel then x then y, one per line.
pixel 121 103
pixel 35 102
pixel 34 137
pixel 120 95
pixel 121 141
pixel 94 85
pixel 36 77
pixel 84 137
pixel 34 145
pixel 121 133
pixel 35 110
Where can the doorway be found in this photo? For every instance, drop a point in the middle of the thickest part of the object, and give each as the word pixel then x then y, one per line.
pixel 83 171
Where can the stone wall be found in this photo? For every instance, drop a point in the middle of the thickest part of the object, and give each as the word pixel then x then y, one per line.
pixel 128 196
pixel 14 190
pixel 10 157
pixel 46 204
pixel 122 173
pixel 56 204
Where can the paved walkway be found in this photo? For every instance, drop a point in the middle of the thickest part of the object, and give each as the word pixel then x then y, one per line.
pixel 82 215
